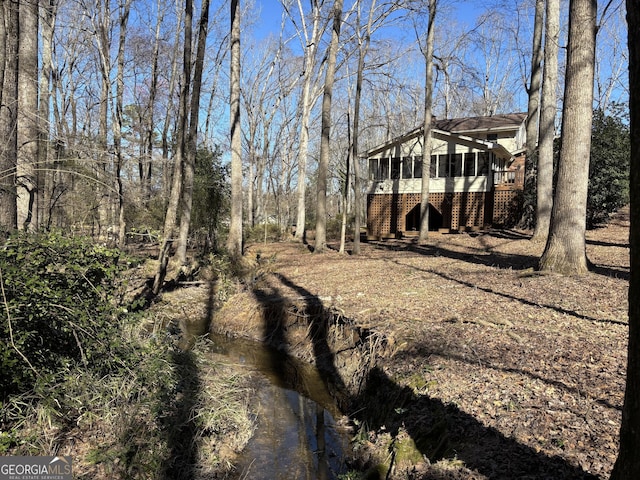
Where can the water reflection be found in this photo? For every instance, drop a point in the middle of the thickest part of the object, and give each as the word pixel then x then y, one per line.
pixel 296 436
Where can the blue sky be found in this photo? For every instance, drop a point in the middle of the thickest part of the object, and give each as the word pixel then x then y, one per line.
pixel 271 12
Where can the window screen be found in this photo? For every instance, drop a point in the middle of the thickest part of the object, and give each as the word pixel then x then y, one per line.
pixel 417 167
pixel 407 167
pixel 469 164
pixel 456 165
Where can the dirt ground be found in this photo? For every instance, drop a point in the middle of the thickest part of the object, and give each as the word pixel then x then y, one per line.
pixel 523 371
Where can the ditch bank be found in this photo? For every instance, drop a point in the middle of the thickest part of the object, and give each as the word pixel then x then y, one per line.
pixel 349 358
pixel 416 405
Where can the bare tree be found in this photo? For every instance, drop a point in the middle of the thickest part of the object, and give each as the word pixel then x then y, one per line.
pixel 548 110
pixel 346 186
pixel 364 41
pixel 310 41
pixel 323 163
pixel 427 51
pixel 627 466
pixel 192 134
pixel 492 78
pixel 48 178
pixel 27 119
pixel 565 249
pixel 117 124
pixel 377 16
pixel 533 115
pixel 8 109
pixel 451 92
pixel 268 84
pixel 611 60
pixel 174 80
pixel 234 241
pixel 102 36
pixel 179 158
pixel 145 173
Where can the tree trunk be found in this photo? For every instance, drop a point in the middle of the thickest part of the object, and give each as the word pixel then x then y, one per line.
pixel 234 241
pixel 119 121
pixel 48 178
pixel 533 113
pixel 323 163
pixel 176 182
pixel 27 125
pixel 627 466
pixel 251 182
pixel 544 182
pixel 307 101
pixel 103 195
pixel 5 22
pixel 426 144
pixel 565 249
pixel 9 95
pixel 192 135
pixel 167 180
pixel 345 190
pixel 150 117
pixel 357 197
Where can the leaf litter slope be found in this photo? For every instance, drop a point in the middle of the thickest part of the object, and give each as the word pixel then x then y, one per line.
pixel 539 358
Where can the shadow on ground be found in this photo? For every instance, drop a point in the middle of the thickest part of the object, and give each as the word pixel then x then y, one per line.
pixel 438 430
pixel 178 413
pixel 179 424
pixel 563 311
pixel 490 258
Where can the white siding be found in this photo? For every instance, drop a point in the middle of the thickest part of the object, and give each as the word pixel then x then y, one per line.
pixel 437 185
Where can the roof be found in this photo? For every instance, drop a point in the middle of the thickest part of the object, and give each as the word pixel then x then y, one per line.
pixel 446 136
pixel 492 123
pixel 456 126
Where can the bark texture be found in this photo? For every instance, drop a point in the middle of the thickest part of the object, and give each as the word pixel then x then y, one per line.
pixel 306 104
pixel 363 44
pixel 565 249
pixel 176 184
pixel 323 163
pixel 27 120
pixel 533 114
pixel 428 107
pixel 627 466
pixel 192 136
pixel 234 241
pixel 544 190
pixel 8 108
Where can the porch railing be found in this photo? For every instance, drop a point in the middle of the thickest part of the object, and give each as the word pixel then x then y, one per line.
pixel 509 177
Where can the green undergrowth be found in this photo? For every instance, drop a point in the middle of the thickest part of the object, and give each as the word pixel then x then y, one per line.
pixel 82 377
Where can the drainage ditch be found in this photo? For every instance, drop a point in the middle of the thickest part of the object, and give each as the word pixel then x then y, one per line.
pixel 299 432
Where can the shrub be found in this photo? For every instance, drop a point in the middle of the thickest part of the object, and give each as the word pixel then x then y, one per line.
pixel 211 197
pixel 609 167
pixel 270 232
pixel 57 308
pixel 334 227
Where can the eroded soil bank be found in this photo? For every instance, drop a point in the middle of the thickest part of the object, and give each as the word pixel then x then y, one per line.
pixel 456 359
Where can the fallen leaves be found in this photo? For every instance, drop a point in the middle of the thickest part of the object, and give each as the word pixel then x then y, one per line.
pixel 539 358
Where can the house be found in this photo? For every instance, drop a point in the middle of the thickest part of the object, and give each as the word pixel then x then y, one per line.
pixel 476 177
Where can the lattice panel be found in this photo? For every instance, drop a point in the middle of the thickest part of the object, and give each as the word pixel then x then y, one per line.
pixel 392 213
pixel 504 205
pixel 469 208
pixel 378 214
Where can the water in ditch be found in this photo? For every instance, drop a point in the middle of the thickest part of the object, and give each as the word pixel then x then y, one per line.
pixel 298 435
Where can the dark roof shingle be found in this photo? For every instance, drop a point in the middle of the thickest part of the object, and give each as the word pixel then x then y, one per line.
pixel 468 124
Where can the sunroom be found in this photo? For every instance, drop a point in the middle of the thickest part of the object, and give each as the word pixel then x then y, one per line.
pixel 464 174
